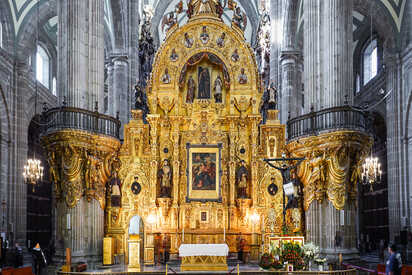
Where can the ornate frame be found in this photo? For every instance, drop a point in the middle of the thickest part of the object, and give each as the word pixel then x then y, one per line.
pixel 204 195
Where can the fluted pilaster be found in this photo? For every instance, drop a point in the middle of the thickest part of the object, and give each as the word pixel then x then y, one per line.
pixel 110 70
pixel 80 63
pixel 396 188
pixel 120 89
pixel 311 53
pixel 336 51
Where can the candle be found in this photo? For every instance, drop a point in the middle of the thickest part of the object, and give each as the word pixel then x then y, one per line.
pixel 224 229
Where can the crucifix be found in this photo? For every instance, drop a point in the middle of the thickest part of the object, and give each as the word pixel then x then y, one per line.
pixel 285 172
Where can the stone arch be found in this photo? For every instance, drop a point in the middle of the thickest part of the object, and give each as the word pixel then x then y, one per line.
pixel 162 6
pixel 5 142
pixel 119 9
pixel 381 21
pixel 26 37
pixel 175 40
pixel 39 225
pixel 8 26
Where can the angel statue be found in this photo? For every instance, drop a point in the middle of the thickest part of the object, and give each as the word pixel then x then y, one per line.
pixel 170 19
pixel 239 19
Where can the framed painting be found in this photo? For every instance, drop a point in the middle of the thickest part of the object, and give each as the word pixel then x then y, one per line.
pixel 204 172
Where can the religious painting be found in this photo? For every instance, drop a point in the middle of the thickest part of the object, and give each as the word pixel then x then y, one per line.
pixel 203 172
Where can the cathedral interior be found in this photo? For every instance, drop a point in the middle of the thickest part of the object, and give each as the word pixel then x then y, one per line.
pixel 131 128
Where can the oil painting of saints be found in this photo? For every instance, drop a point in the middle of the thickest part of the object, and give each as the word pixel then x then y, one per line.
pixel 204 171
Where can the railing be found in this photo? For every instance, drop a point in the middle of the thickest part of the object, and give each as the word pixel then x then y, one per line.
pixel 248 272
pixel 62 118
pixel 337 118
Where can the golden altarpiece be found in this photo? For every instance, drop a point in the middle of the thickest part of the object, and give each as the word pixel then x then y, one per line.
pixel 196 169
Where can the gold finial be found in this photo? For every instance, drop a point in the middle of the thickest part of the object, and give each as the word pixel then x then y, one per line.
pixel 205 8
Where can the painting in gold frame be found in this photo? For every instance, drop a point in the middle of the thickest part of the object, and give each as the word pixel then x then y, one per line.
pixel 204 172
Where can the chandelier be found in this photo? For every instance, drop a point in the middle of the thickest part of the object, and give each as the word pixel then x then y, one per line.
pixel 33 171
pixel 371 171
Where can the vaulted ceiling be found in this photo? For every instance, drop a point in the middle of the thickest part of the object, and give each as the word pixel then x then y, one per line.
pixel 20 9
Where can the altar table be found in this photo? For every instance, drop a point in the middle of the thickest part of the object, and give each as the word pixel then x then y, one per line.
pixel 203 257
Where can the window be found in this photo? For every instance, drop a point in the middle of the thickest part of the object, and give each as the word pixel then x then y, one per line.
pixel 42 67
pixel 370 61
pixel 1 35
pixel 54 89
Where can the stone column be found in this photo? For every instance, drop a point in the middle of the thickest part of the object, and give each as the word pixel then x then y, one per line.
pixel 110 69
pixel 311 54
pixel 80 66
pixel 396 189
pixel 328 79
pixel 16 201
pixel 291 65
pixel 276 40
pixel 328 53
pixel 82 229
pixel 121 90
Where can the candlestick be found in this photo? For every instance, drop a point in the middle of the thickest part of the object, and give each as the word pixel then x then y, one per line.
pixel 183 235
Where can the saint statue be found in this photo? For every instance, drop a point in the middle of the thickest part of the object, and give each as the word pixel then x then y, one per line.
pixel 204 36
pixel 242 177
pixel 188 41
pixel 166 77
pixel 191 87
pixel 165 179
pixel 242 77
pixel 174 56
pixel 272 97
pixel 221 40
pixel 116 190
pixel 140 100
pixel 239 19
pixel 235 56
pixel 204 83
pixel 218 89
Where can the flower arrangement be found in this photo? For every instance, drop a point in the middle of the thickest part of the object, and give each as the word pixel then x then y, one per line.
pixel 266 261
pixel 310 251
pixel 293 254
pixel 277 264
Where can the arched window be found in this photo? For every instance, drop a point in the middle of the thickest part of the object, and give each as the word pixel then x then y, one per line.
pixel 370 61
pixel 42 66
pixel 1 35
pixel 54 89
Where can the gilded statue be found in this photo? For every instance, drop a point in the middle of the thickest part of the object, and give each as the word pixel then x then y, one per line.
pixel 220 42
pixel 242 178
pixel 204 83
pixel 242 77
pixel 191 87
pixel 188 41
pixel 204 36
pixel 218 89
pixel 239 19
pixel 174 56
pixel 165 179
pixel 166 77
pixel 115 187
pixel 235 56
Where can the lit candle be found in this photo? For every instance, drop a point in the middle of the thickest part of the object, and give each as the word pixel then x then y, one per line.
pixel 224 229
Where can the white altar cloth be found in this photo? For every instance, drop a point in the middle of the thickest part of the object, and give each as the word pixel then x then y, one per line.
pixel 187 250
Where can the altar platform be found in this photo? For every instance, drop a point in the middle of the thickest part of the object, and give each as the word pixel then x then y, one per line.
pixel 245 269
